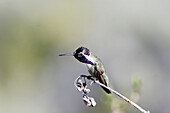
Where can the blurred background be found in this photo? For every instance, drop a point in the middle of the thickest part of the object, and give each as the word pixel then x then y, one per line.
pixel 131 37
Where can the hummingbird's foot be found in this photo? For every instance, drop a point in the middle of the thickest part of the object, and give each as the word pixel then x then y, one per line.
pixel 88 77
pixel 92 79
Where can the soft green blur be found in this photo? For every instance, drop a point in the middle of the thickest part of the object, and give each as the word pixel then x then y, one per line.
pixel 131 38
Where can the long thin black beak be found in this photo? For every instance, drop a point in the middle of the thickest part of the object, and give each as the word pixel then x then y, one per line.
pixel 67 54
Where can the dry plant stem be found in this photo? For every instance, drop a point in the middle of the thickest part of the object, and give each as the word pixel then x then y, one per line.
pixel 121 96
pixel 124 98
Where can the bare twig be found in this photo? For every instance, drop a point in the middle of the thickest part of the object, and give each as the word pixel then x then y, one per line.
pixel 124 98
pixel 115 92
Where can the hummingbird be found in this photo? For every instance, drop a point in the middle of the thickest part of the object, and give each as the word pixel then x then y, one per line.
pixel 94 65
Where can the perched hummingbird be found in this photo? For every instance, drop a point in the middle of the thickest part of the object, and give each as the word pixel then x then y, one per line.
pixel 94 65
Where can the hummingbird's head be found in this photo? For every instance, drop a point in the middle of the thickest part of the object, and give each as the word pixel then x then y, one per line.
pixel 83 55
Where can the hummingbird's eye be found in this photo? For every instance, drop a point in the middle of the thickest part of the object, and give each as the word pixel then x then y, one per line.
pixel 80 49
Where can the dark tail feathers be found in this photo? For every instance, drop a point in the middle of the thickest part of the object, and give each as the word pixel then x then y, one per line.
pixel 106 90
